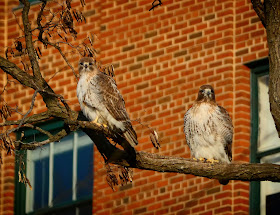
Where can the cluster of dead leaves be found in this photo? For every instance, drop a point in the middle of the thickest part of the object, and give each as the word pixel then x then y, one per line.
pixel 114 172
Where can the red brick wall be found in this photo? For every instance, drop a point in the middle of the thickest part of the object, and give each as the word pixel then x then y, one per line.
pixel 7 184
pixel 161 58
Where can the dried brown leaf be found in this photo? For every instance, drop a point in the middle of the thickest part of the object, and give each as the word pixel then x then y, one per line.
pixel 18 46
pixel 154 138
pixel 83 2
pixel 68 4
pixel 6 53
pixel 39 51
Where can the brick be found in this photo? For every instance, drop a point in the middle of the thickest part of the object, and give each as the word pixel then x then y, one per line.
pixel 134 67
pixel 195 35
pixel 150 34
pixel 180 53
pixel 127 48
pixel 89 13
pixel 191 203
pixel 209 17
pixel 140 210
pixel 142 57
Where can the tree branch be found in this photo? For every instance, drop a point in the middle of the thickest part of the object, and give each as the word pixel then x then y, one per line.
pixel 18 74
pixel 19 145
pixel 32 119
pixel 259 8
pixel 28 40
pixel 233 171
pixel 27 125
pixel 160 163
pixel 272 11
pixel 46 42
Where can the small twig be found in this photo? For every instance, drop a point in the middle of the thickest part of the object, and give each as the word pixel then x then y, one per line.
pixel 30 109
pixel 32 119
pixel 38 129
pixel 153 134
pixel 33 145
pixel 155 5
pixel 17 22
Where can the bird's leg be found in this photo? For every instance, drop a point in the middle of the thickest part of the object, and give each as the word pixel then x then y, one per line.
pixel 202 159
pixel 212 161
pixel 97 123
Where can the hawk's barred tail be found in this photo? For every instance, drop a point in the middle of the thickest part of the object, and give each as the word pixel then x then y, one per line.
pixel 131 136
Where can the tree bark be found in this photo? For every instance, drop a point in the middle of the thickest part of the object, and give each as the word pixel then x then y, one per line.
pixel 160 163
pixel 269 14
pixel 272 19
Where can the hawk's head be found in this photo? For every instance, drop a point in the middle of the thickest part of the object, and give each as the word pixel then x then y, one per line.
pixel 206 93
pixel 86 64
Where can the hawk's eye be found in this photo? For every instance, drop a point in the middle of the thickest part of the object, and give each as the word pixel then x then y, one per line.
pixel 90 64
pixel 81 64
pixel 201 91
pixel 212 91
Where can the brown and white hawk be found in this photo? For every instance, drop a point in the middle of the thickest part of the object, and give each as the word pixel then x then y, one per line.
pixel 102 103
pixel 208 128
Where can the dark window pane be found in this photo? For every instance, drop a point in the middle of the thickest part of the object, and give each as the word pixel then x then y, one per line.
pixel 85 171
pixel 85 209
pixel 273 204
pixel 66 211
pixel 41 183
pixel 62 172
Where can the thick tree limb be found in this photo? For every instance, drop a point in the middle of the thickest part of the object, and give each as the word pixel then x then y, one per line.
pixel 160 163
pixel 272 11
pixel 259 8
pixel 18 74
pixel 244 172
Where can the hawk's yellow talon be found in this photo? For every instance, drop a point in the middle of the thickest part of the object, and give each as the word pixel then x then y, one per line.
pixel 212 161
pixel 97 123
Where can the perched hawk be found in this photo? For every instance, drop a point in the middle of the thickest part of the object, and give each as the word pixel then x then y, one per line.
pixel 208 128
pixel 102 103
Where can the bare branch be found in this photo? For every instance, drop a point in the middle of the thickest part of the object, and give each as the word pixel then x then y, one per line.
pixel 28 40
pixel 30 109
pixel 46 42
pixel 259 8
pixel 32 119
pixel 38 129
pixel 19 145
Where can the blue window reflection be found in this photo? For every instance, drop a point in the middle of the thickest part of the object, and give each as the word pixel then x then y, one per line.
pixel 41 183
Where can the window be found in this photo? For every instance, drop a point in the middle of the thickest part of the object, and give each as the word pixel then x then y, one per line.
pixel 32 2
pixel 61 176
pixel 264 196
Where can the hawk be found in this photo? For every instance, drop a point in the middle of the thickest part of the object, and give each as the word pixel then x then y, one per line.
pixel 208 128
pixel 102 103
